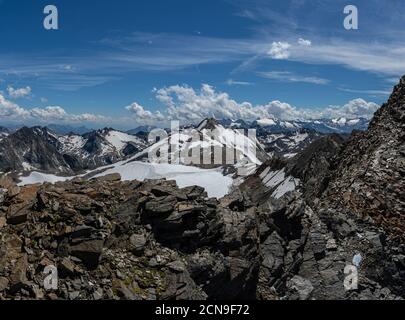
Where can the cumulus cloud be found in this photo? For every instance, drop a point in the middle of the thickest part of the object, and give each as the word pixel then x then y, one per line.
pixel 279 50
pixel 352 109
pixel 184 103
pixel 11 111
pixel 49 113
pixel 188 105
pixel 18 93
pixel 141 114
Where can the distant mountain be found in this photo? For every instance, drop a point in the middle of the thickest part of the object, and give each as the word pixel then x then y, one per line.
pixel 339 125
pixel 40 148
pixel 66 129
pixel 288 144
pixel 32 148
pixel 145 129
pixel 198 143
pixel 274 126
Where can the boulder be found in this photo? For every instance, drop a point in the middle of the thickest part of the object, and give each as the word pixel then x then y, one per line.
pixel 89 251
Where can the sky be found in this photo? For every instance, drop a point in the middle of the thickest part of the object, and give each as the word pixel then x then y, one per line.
pixel 126 63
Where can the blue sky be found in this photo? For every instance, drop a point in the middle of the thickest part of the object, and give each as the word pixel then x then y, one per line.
pixel 124 62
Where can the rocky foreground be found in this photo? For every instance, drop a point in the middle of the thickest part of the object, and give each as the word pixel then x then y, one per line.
pixel 151 240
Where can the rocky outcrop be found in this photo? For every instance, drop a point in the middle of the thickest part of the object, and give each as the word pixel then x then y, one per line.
pixel 125 240
pixel 370 172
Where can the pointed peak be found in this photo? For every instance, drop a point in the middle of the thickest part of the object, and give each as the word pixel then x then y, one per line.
pixel 394 110
pixel 209 123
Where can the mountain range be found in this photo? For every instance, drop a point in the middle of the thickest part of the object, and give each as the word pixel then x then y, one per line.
pixel 69 150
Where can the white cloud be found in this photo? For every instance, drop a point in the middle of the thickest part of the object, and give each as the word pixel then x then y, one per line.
pixel 89 117
pixel 385 92
pixel 188 105
pixel 358 108
pixel 49 113
pixel 18 93
pixel 11 111
pixel 373 57
pixel 185 104
pixel 291 77
pixel 279 50
pixel 304 42
pixel 144 115
pixel 231 82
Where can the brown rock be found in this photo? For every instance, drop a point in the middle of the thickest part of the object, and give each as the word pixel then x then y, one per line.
pixel 66 267
pixel 19 275
pixel 3 222
pixel 110 177
pixel 3 283
pixel 18 211
pixel 88 251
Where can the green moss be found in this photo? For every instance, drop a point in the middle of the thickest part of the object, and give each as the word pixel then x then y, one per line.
pixel 146 278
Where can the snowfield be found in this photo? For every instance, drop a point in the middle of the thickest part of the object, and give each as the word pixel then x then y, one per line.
pixel 119 139
pixel 211 180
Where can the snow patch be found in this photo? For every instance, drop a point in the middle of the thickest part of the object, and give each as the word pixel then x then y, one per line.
pixel 119 140
pixel 278 181
pixel 211 180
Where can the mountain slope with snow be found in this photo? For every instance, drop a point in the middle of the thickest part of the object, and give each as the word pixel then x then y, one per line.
pixel 39 148
pixel 210 145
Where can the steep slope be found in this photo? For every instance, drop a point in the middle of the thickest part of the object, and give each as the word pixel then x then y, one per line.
pixel 369 178
pixel 347 212
pixel 32 148
pixel 41 149
pixel 4 132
